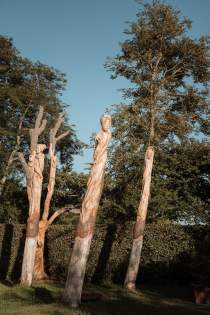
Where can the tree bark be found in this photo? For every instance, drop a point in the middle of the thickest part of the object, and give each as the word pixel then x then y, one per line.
pixel 39 272
pixel 33 169
pixel 138 234
pixel 34 189
pixel 84 232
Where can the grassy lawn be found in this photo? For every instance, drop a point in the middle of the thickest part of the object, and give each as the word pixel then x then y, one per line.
pixel 45 299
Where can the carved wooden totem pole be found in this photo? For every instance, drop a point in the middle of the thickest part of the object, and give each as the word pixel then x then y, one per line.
pixel 33 169
pixel 138 232
pixel 84 232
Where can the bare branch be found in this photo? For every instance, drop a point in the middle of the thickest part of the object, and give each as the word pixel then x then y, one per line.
pixel 53 132
pixel 11 159
pixel 24 164
pixel 56 214
pixel 43 126
pixel 63 135
pixel 38 128
pixel 60 211
pixel 58 123
pixel 39 117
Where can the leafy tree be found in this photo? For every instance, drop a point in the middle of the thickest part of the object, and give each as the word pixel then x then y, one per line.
pixel 24 86
pixel 169 75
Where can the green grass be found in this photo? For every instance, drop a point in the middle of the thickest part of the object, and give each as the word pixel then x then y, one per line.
pixel 152 300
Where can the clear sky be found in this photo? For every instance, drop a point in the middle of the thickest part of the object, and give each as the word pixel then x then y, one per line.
pixel 76 37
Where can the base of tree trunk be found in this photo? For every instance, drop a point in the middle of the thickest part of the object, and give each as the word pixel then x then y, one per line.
pixel 40 276
pixel 28 261
pixel 39 272
pixel 133 266
pixel 76 272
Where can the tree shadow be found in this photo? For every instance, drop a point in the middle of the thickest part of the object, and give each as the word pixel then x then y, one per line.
pixel 101 268
pixel 16 270
pixel 150 304
pixel 6 250
pixel 43 295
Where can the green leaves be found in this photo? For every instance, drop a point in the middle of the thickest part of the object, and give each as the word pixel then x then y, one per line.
pixel 169 75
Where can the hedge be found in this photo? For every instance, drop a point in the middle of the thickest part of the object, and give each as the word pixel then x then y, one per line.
pixel 171 252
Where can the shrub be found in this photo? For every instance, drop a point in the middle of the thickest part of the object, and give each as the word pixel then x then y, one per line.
pixel 171 252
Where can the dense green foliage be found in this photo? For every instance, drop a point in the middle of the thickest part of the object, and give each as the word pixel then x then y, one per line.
pixel 180 184
pixel 171 253
pixel 167 107
pixel 25 85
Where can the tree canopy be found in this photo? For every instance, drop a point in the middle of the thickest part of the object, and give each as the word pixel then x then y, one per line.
pixel 167 106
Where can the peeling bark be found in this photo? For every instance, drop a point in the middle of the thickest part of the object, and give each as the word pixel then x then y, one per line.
pixel 84 232
pixel 138 233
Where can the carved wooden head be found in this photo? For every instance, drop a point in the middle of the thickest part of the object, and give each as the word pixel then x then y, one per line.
pixel 105 122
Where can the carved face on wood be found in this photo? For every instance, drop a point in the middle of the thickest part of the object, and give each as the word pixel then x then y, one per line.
pixel 105 122
pixel 40 148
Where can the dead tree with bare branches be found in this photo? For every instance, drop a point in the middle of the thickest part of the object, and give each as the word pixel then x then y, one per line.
pixel 46 221
pixel 33 170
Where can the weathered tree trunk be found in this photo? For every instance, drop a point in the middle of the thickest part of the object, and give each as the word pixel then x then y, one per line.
pixel 33 170
pixel 32 227
pixel 39 273
pixel 84 232
pixel 138 234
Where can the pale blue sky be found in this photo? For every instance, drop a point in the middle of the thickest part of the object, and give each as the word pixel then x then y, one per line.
pixel 76 36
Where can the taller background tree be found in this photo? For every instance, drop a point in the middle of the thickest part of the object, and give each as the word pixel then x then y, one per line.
pixel 169 75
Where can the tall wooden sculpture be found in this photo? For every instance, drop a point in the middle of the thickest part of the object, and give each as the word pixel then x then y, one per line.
pixel 84 232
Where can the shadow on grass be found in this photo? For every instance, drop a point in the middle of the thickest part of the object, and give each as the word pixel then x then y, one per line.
pixel 43 295
pixel 34 295
pixel 124 304
pixel 151 300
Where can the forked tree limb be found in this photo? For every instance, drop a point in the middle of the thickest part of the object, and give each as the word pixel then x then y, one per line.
pixel 63 135
pixel 53 163
pixel 40 125
pixel 53 133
